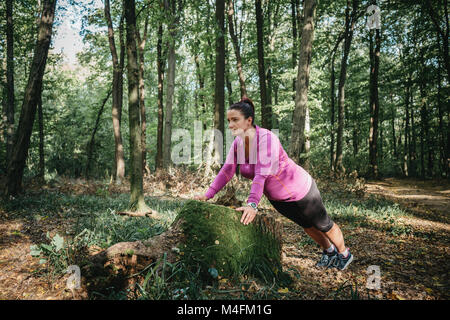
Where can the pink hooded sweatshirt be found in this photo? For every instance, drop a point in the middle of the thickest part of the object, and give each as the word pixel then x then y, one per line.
pixel 272 171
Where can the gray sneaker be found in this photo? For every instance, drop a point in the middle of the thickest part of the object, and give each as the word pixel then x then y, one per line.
pixel 327 259
pixel 342 263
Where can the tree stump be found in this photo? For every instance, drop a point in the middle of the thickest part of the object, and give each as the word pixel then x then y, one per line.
pixel 210 238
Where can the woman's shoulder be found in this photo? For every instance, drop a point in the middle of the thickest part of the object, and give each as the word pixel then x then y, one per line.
pixel 264 133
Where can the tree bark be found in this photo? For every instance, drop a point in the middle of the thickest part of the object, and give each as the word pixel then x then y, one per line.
pixel 294 19
pixel 266 113
pixel 160 69
pixel 141 48
pixel 10 101
pixel 219 92
pixel 443 33
pixel 136 181
pixel 119 161
pixel 298 138
pixel 407 142
pixel 90 149
pixel 41 139
pixel 273 25
pixel 374 103
pixel 16 163
pixel 333 102
pixel 172 10
pixel 350 21
pixel 237 49
pixel 412 144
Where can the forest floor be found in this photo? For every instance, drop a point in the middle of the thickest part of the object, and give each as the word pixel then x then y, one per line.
pixel 399 225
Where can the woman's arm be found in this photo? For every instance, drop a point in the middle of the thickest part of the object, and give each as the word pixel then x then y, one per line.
pixel 226 172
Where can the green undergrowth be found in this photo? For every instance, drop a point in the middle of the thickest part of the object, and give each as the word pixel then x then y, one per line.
pixel 245 251
pixel 371 212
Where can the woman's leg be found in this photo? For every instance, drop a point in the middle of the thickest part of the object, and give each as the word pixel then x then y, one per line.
pixel 319 237
pixel 323 238
pixel 336 237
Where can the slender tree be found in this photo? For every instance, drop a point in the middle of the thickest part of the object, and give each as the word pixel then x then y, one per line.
pixel 266 113
pixel 219 94
pixel 236 47
pixel 160 70
pixel 350 21
pixel 10 102
pixel 137 202
pixel 119 161
pixel 173 11
pixel 374 56
pixel 91 144
pixel 299 121
pixel 141 47
pixel 16 163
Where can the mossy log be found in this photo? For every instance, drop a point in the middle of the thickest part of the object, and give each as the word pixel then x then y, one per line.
pixel 210 238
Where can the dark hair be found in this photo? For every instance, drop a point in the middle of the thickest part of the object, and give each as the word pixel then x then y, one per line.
pixel 246 107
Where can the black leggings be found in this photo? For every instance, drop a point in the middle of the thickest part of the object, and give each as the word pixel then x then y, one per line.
pixel 307 212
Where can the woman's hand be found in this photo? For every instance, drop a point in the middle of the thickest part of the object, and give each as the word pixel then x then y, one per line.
pixel 200 197
pixel 248 215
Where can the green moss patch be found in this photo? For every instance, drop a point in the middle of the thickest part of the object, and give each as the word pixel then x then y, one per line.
pixel 219 245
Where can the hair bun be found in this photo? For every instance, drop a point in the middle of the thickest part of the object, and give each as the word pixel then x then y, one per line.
pixel 249 101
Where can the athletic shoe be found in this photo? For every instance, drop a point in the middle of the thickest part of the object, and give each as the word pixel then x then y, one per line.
pixel 327 258
pixel 342 263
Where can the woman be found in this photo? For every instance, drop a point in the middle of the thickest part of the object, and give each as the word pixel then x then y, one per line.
pixel 289 188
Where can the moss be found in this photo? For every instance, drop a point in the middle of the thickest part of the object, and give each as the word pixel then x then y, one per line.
pixel 215 238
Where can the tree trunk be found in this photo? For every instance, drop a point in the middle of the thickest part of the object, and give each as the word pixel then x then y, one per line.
pixel 212 239
pixel 273 24
pixel 294 19
pixel 90 149
pixel 407 142
pixel 171 59
pixel 10 101
pixel 41 140
pixel 412 144
pixel 141 48
pixel 201 85
pixel 350 21
pixel 333 108
pixel 160 69
pixel 298 137
pixel 219 92
pixel 237 49
pixel 16 163
pixel 136 181
pixel 266 113
pixel 119 161
pixel 374 104
pixel 442 148
pixel 393 126
pixel 444 34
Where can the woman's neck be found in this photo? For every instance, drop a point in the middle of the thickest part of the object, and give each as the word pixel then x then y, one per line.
pixel 250 133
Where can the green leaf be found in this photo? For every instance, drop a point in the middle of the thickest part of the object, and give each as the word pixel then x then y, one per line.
pixel 42 261
pixel 58 242
pixel 35 251
pixel 47 247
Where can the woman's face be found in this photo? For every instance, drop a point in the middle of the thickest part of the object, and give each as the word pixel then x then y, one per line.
pixel 237 122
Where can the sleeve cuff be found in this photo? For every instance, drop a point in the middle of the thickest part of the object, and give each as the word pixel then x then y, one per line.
pixel 210 193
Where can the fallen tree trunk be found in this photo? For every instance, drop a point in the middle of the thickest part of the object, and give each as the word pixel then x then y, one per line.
pixel 209 238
